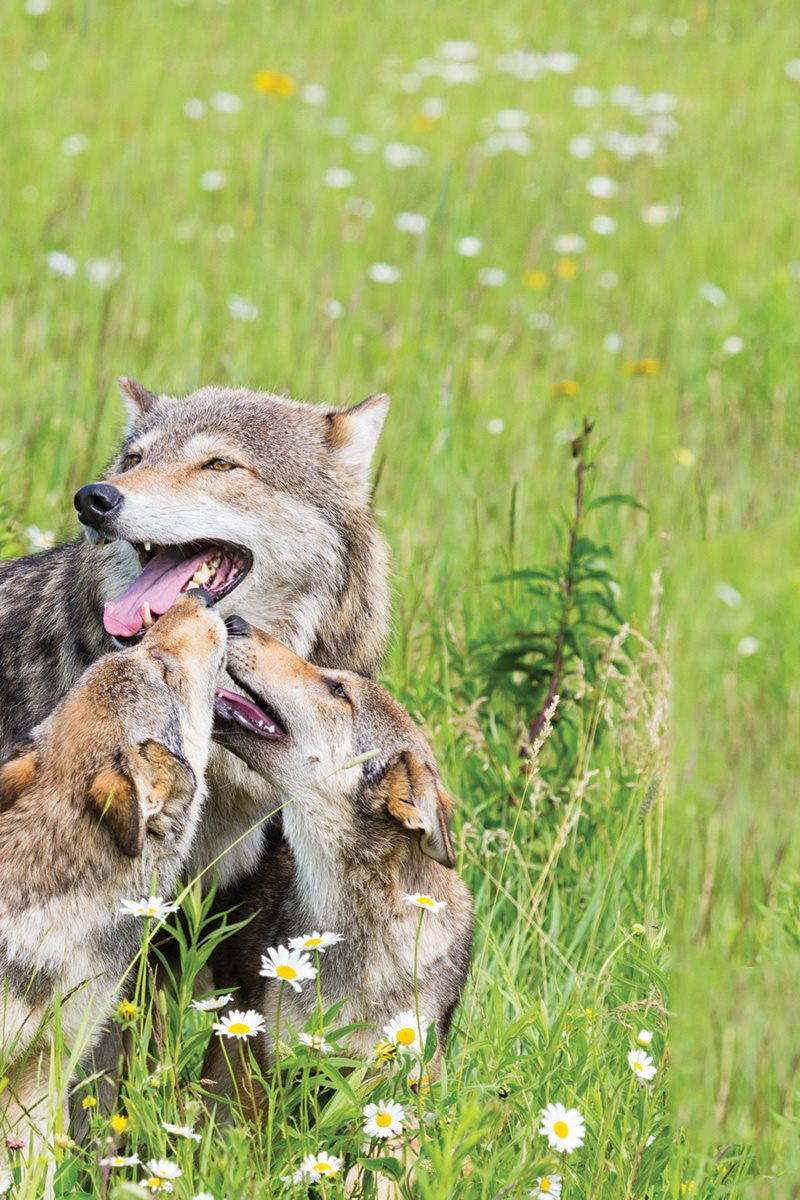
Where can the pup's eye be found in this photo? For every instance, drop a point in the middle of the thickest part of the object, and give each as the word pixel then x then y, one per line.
pixel 220 464
pixel 131 460
pixel 337 689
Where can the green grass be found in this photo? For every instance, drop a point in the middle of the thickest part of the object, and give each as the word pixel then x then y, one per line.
pixel 565 872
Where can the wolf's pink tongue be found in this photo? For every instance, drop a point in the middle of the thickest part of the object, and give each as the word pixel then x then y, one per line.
pixel 159 585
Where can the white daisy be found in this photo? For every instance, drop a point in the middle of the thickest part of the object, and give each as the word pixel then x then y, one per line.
pixel 313 93
pixel 604 225
pixel 491 277
pixel 644 1037
pixel 381 272
pixel 288 966
pixel 203 1196
pixel 338 177
pixel 398 154
pixel 315 941
pixel 383 1120
pixel 420 900
pixel 612 343
pixel 581 146
pixel 226 102
pixel 713 295
pixel 601 187
pixel 212 1003
pixel 569 243
pixel 162 1172
pixel 315 1041
pixel 241 309
pixel 74 145
pixel 410 222
pixel 194 109
pixel 120 1160
pixel 748 646
pixel 6 1180
pixel 732 345
pixel 240 1024
pixel 184 1131
pixel 563 1127
pixel 468 247
pixel 586 97
pixel 154 906
pixel 61 264
pixel 213 181
pixel 546 1186
pixel 642 1065
pixel 404 1032
pixel 320 1165
pixel 496 426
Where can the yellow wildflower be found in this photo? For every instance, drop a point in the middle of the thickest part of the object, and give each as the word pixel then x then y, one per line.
pixel 273 83
pixel 126 1010
pixel 566 268
pixel 88 1102
pixel 119 1123
pixel 565 387
pixel 643 366
pixel 422 123
pixel 534 279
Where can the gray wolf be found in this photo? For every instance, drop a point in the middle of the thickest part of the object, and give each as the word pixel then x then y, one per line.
pixel 357 836
pixel 105 794
pixel 265 501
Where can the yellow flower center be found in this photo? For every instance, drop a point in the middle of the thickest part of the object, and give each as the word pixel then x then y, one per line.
pixel 238 1027
pixel 426 900
pixel 405 1036
pixel 383 1119
pixel 544 1186
pixel 313 942
pixel 637 1066
pixel 151 911
pixel 323 1167
pixel 561 1129
pixel 155 1182
pixel 285 972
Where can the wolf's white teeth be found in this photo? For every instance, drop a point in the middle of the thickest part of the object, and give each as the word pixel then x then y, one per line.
pixel 146 546
pixel 147 616
pixel 191 584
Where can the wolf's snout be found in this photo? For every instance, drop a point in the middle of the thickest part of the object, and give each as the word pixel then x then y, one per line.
pixel 238 627
pixel 96 502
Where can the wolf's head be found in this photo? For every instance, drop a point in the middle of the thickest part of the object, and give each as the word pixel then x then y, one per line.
pixel 263 501
pixel 354 767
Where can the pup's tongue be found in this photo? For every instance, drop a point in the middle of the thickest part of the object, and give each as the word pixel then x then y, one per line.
pixel 159 585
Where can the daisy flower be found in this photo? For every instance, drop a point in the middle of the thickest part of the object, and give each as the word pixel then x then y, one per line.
pixel 642 1065
pixel 203 1196
pixel 184 1131
pixel 120 1160
pixel 212 1003
pixel 240 1024
pixel 315 941
pixel 154 906
pixel 384 1120
pixel 162 1172
pixel 6 1180
pixel 547 1185
pixel 563 1127
pixel 289 966
pixel 404 1032
pixel 320 1165
pixel 315 1041
pixel 419 900
pixel 644 1037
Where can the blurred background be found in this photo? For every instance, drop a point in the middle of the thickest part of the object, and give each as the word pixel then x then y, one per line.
pixel 509 217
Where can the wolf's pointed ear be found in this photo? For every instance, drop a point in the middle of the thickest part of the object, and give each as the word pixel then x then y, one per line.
pixel 16 776
pixel 353 434
pixel 418 801
pixel 137 399
pixel 129 791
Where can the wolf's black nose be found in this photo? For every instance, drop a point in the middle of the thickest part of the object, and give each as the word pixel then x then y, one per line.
pixel 237 627
pixel 96 501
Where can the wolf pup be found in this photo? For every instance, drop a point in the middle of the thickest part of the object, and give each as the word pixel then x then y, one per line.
pixel 357 838
pixel 106 793
pixel 264 501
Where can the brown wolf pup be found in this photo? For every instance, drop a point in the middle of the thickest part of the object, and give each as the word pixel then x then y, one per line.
pixel 106 794
pixel 357 838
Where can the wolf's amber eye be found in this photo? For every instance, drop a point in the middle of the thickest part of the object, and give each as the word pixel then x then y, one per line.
pixel 131 460
pixel 337 690
pixel 220 464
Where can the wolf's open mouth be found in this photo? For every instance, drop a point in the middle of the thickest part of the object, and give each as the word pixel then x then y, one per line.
pixel 250 711
pixel 167 572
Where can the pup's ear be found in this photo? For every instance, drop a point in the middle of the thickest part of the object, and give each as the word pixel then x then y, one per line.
pixel 16 776
pixel 353 434
pixel 134 787
pixel 137 399
pixel 418 801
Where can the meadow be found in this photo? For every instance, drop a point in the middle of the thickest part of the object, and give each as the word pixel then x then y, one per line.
pixel 515 220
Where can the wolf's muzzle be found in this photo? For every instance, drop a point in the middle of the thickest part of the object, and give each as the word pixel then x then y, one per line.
pixel 96 502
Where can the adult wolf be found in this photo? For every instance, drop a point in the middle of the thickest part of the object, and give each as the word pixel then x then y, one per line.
pixel 264 501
